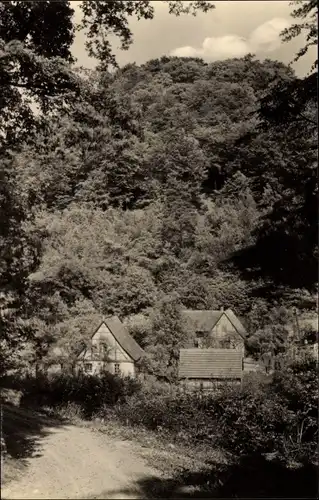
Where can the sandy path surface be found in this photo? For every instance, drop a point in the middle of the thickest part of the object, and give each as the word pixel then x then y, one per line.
pixel 74 462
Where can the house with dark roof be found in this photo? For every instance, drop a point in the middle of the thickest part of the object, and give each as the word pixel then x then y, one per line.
pixel 215 329
pixel 203 368
pixel 110 348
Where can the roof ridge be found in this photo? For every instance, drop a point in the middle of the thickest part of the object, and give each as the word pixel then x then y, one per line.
pixel 201 310
pixel 235 321
pixel 124 338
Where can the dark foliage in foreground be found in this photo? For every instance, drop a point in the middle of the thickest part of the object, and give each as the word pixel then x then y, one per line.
pixel 278 417
pixel 89 392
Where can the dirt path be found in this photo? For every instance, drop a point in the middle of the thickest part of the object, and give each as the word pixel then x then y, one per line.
pixel 74 462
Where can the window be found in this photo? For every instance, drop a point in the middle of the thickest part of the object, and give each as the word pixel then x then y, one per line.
pixel 198 342
pixel 88 367
pixel 94 350
pixel 117 368
pixel 227 344
pixel 103 349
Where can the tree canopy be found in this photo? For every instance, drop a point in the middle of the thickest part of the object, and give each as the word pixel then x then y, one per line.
pixel 174 181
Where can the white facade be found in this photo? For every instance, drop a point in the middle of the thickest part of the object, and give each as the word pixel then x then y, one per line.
pixel 225 332
pixel 223 335
pixel 105 353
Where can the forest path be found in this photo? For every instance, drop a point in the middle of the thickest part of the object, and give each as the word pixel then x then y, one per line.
pixel 75 462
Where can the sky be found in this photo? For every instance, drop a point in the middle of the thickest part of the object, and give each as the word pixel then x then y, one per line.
pixel 232 29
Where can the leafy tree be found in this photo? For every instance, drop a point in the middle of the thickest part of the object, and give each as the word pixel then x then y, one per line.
pixel 102 18
pixel 36 72
pixel 181 70
pixel 307 12
pixel 278 332
pixel 169 333
pixel 286 239
pixel 140 327
pixel 290 101
pixel 297 386
pixel 128 210
pixel 36 56
pixel 91 254
pixel 19 252
pixel 34 62
pixel 286 247
pixel 71 331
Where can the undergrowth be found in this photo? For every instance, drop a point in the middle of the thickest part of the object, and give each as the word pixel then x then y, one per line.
pixel 277 417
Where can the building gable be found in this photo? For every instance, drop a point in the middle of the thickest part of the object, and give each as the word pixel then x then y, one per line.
pixel 102 333
pixel 117 343
pixel 103 337
pixel 226 326
pixel 215 329
pixel 201 320
pixel 236 323
pixel 206 320
pixel 225 334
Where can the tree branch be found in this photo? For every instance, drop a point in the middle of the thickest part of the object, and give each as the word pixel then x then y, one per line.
pixel 308 119
pixel 30 87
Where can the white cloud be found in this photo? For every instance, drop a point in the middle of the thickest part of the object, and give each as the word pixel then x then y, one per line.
pixel 226 46
pixel 264 39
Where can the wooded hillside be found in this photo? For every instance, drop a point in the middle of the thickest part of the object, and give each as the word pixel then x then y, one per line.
pixel 148 189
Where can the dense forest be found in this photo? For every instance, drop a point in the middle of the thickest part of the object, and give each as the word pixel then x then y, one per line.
pixel 140 191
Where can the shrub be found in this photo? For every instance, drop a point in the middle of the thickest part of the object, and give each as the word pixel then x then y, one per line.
pixel 249 422
pixel 183 416
pixel 256 382
pixel 263 416
pixel 88 392
pixel 298 388
pixel 279 416
pixel 70 411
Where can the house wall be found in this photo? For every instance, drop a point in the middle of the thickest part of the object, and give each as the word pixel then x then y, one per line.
pixel 126 368
pixel 206 385
pixel 252 366
pixel 115 354
pixel 223 332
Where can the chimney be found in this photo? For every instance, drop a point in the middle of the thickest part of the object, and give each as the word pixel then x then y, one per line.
pixel 222 309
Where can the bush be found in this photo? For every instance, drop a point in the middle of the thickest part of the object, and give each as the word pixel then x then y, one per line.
pixel 70 411
pixel 249 422
pixel 182 416
pixel 280 416
pixel 90 393
pixel 263 416
pixel 298 388
pixel 256 382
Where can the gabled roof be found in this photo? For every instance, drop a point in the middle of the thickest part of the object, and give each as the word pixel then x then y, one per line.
pixel 236 322
pixel 210 364
pixel 205 320
pixel 122 336
pixel 202 320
